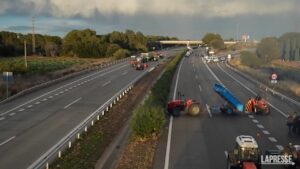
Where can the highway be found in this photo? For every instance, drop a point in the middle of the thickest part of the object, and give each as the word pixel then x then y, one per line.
pixel 30 125
pixel 203 141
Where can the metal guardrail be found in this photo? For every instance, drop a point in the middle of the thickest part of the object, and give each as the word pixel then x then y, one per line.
pixel 66 142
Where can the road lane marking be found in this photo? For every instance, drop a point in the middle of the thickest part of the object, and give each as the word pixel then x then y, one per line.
pixel 72 102
pixel 52 91
pixel 44 100
pixel 255 121
pixel 50 97
pixel 279 147
pixel 251 116
pixel 266 132
pixel 106 83
pixel 29 106
pixel 21 109
pixel 8 140
pixel 2 118
pixel 272 139
pixel 208 110
pixel 61 92
pixel 66 90
pixel 196 76
pixel 214 75
pixel 37 102
pixel 56 94
pixel 124 73
pixel 200 88
pixel 12 114
pixel 260 126
pixel 250 90
pixel 226 154
pixel 167 156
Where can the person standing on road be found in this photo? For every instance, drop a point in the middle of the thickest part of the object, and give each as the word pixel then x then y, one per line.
pixel 291 119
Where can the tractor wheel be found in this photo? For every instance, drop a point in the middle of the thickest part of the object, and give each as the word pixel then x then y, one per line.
pixel 176 111
pixel 194 109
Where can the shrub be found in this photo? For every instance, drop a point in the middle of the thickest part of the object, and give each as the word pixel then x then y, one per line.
pixel 121 53
pixel 251 60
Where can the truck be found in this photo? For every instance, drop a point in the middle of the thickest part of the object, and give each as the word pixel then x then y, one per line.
pixel 246 154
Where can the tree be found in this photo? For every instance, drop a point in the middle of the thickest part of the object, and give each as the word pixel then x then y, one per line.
pixel 268 49
pixel 289 45
pixel 121 53
pixel 111 49
pixel 214 40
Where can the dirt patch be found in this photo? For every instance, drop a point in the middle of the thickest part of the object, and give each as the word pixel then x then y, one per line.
pixel 90 147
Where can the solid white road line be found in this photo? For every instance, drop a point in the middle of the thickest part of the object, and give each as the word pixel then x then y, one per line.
pixel 196 76
pixel 214 75
pixel 106 83
pixel 251 116
pixel 167 156
pixel 272 139
pixel 61 88
pixel 8 140
pixel 72 102
pixel 281 112
pixel 208 110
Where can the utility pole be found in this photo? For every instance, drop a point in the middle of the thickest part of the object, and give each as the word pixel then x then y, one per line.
pixel 33 37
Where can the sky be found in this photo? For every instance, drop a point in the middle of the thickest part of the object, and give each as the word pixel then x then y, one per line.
pixel 185 19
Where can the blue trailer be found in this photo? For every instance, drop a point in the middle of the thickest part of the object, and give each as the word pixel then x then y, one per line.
pixel 233 104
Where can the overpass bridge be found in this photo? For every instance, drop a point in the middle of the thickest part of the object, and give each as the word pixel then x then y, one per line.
pixel 190 42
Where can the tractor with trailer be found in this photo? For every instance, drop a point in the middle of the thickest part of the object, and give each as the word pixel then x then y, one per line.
pixel 233 105
pixel 188 106
pixel 246 154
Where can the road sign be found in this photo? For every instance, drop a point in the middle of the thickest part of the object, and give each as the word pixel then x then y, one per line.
pixel 274 76
pixel 7 76
pixel 273 81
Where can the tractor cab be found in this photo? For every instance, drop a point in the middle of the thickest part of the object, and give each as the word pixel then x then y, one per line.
pixel 245 153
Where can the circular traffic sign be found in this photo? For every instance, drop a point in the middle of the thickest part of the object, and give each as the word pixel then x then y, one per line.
pixel 274 76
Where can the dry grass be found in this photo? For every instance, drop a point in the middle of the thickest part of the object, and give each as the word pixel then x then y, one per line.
pixel 289 64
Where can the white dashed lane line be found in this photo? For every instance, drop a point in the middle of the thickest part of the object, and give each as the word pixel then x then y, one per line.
pixel 251 116
pixel 29 106
pixel 37 103
pixel 21 109
pixel 12 114
pixel 272 139
pixel 50 97
pixel 56 94
pixel 8 140
pixel 266 132
pixel 44 100
pixel 106 83
pixel 61 92
pixel 279 147
pixel 260 126
pixel 2 118
pixel 200 88
pixel 255 121
pixel 208 110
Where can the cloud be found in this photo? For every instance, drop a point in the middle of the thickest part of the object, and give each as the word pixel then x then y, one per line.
pixel 92 8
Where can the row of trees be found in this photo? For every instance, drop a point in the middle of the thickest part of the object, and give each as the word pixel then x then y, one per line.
pixel 287 47
pixel 80 43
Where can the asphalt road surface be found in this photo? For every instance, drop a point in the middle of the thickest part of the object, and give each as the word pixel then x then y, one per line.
pixel 203 142
pixel 32 124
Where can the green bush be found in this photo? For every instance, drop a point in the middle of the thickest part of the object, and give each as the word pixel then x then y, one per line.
pixel 251 60
pixel 149 118
pixel 121 53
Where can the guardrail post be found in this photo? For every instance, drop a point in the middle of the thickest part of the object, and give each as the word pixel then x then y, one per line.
pixel 117 98
pixel 92 122
pixel 78 136
pixel 110 105
pixel 47 165
pixel 114 101
pixel 103 113
pixel 85 129
pixel 107 108
pixel 59 154
pixel 98 117
pixel 70 144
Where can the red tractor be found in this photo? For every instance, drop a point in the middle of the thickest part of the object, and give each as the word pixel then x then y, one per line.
pixel 175 107
pixel 257 105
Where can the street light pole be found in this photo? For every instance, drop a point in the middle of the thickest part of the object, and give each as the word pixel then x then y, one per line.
pixel 25 53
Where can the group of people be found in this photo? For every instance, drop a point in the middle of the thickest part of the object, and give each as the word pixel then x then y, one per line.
pixel 293 123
